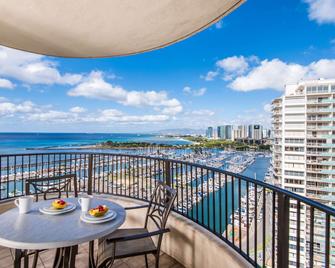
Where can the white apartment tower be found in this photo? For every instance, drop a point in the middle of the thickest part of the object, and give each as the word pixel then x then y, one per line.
pixel 304 157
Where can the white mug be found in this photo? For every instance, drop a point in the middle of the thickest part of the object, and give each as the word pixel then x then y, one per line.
pixel 85 203
pixel 24 203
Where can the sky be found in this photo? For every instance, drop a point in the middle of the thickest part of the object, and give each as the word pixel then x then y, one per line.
pixel 227 74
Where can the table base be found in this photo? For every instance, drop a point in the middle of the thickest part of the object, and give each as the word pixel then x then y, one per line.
pixel 64 258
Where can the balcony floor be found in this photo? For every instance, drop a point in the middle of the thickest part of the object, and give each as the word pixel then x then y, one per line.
pixel 46 259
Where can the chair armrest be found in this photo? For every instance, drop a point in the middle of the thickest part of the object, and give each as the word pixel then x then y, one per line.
pixel 137 236
pixel 136 207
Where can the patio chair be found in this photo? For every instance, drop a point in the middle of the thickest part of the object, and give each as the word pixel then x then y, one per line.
pixel 125 243
pixel 51 188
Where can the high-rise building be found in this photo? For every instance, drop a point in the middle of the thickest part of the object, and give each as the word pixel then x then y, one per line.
pixel 255 132
pixel 304 158
pixel 210 133
pixel 240 132
pixel 228 132
pixel 221 132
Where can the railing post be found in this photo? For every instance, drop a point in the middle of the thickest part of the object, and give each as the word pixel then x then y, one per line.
pixel 90 173
pixel 167 173
pixel 283 230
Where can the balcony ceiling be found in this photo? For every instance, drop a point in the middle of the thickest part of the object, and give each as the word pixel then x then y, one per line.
pixel 104 28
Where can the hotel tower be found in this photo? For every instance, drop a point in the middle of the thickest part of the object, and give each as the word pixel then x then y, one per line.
pixel 304 159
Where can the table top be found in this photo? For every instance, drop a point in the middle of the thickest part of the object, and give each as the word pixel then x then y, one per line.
pixel 35 230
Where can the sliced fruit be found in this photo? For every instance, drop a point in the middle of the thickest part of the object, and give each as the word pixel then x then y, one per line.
pixel 59 204
pixel 99 211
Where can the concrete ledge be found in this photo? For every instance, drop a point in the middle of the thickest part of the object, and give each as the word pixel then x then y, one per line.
pixel 189 243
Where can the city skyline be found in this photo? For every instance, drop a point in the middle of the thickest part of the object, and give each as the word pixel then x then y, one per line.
pixel 209 79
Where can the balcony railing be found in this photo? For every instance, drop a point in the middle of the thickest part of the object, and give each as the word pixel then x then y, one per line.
pixel 251 216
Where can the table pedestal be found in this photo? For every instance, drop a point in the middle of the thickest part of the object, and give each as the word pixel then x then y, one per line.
pixel 64 258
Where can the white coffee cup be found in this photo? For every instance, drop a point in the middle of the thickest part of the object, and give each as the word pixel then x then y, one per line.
pixel 24 204
pixel 85 203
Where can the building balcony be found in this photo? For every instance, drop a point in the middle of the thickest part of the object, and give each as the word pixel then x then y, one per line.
pixel 328 136
pixel 327 100
pixel 332 145
pixel 320 128
pixel 328 163
pixel 321 110
pixel 327 127
pixel 214 215
pixel 328 171
pixel 320 101
pixel 329 154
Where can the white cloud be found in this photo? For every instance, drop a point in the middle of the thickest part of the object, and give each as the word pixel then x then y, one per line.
pixel 250 73
pixel 53 116
pixel 77 110
pixel 234 64
pixel 9 108
pixel 210 75
pixel 194 92
pixel 95 87
pixel 29 111
pixel 203 112
pixel 276 73
pixel 32 68
pixel 322 11
pixel 267 107
pixel 4 83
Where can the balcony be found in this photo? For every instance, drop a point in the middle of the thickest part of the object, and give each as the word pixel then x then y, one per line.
pixel 328 171
pixel 329 163
pixel 218 216
pixel 320 101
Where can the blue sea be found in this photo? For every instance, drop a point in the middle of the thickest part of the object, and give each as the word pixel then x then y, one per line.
pixel 13 143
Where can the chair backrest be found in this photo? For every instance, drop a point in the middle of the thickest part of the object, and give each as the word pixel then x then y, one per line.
pixel 52 185
pixel 160 205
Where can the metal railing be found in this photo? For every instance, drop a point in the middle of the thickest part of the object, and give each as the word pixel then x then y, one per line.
pixel 262 222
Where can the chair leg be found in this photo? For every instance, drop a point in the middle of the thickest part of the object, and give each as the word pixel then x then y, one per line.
pixel 157 260
pixel 35 259
pixel 146 261
pixel 17 259
pixel 58 258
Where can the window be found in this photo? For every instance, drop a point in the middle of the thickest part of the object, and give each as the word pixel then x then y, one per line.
pixel 294 140
pixel 294 173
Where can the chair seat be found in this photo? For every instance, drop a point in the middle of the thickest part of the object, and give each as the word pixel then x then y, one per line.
pixel 126 248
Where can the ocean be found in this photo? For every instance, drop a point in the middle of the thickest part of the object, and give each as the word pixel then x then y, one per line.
pixel 16 143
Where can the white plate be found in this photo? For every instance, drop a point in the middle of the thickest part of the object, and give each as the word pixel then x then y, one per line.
pixel 50 208
pixel 110 215
pixel 53 211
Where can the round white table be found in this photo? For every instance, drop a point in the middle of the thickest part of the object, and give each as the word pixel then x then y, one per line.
pixel 37 231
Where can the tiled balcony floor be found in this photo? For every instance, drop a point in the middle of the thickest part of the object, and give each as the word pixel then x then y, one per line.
pixel 46 259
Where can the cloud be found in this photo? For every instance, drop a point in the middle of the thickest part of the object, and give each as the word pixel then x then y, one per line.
pixel 250 73
pixel 322 11
pixel 29 111
pixel 32 68
pixel 4 83
pixel 202 112
pixel 194 92
pixel 234 64
pixel 275 74
pixel 209 76
pixel 9 108
pixel 77 110
pixel 267 107
pixel 95 87
pixel 53 116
